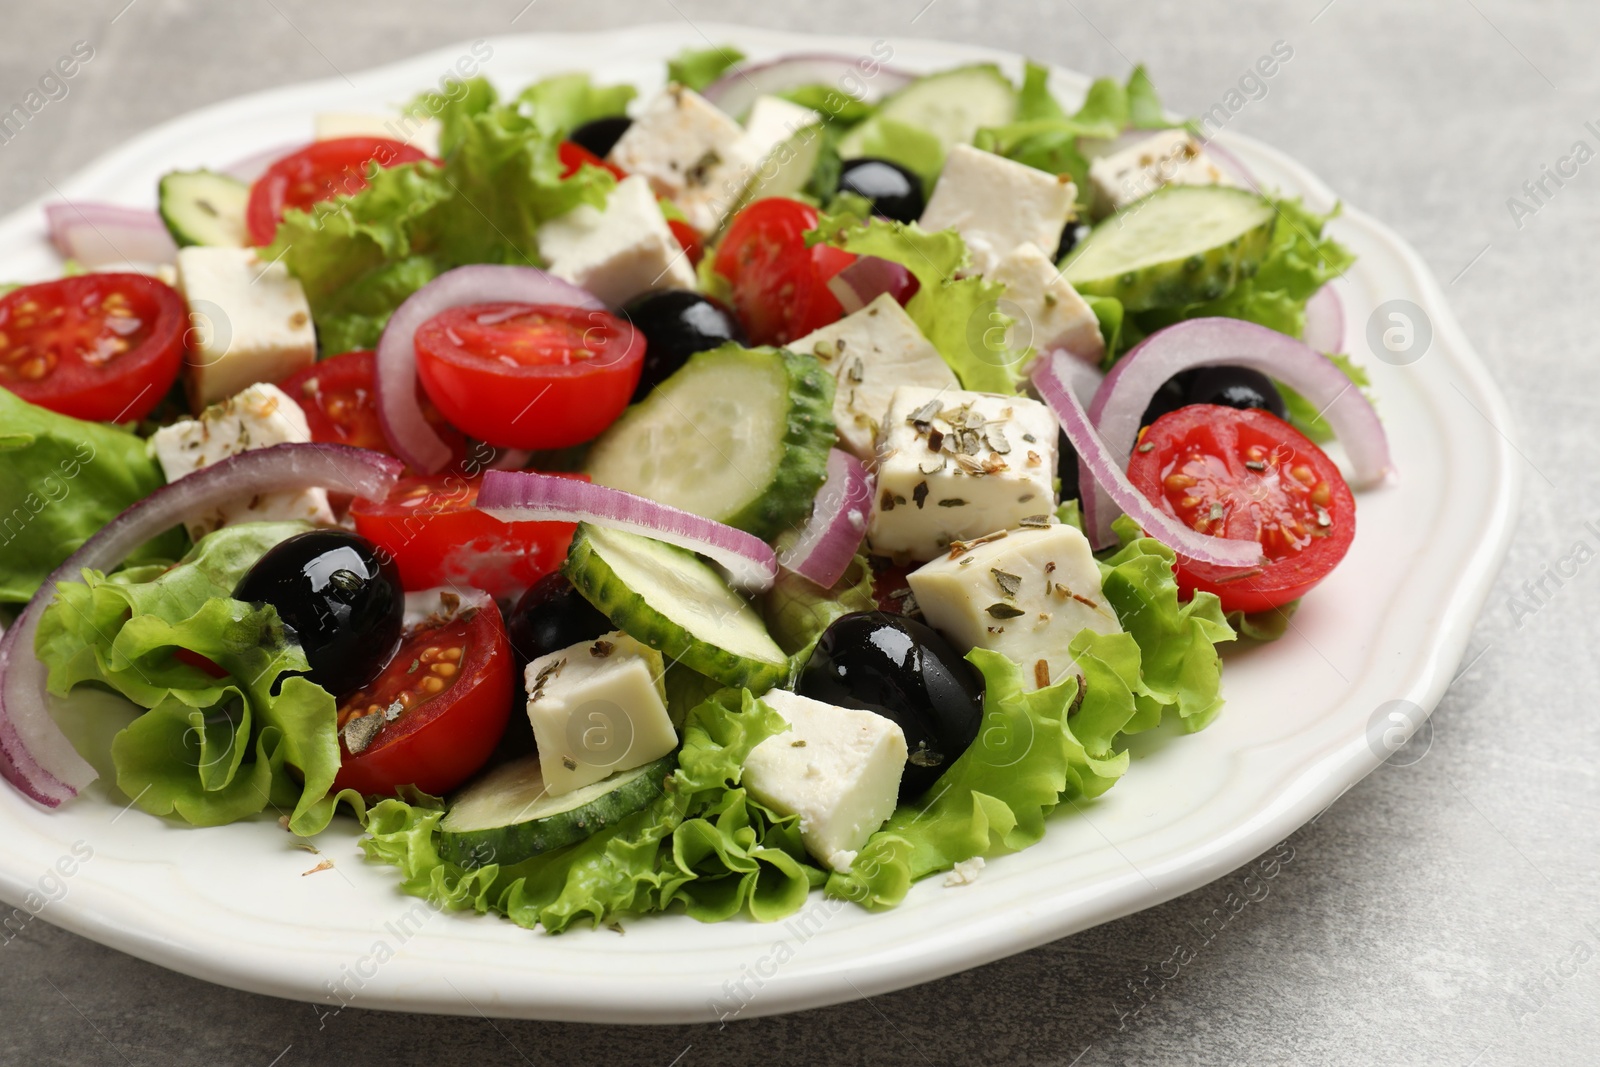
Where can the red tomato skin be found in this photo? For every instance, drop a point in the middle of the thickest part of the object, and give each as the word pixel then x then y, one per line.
pixel 126 387
pixel 539 406
pixel 456 544
pixel 574 157
pixel 778 286
pixel 319 171
pixel 689 240
pixel 437 748
pixel 1277 581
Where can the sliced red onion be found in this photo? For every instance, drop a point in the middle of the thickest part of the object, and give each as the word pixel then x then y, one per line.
pixel 1325 320
pixel 1232 166
pixel 100 235
pixel 254 165
pixel 35 755
pixel 1105 469
pixel 521 496
pixel 737 90
pixel 1082 378
pixel 827 543
pixel 406 428
pixel 1219 342
pixel 868 278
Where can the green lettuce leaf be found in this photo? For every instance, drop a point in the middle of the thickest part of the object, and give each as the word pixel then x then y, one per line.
pixel 561 104
pixel 1304 414
pixel 834 105
pixel 914 148
pixel 798 610
pixel 209 750
pixel 61 480
pixel 704 847
pixel 1263 626
pixel 698 68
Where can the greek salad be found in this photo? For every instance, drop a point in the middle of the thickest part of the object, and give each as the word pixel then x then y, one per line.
pixel 800 477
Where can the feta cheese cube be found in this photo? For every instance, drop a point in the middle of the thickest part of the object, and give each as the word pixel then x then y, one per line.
pixel 1171 157
pixel 259 416
pixel 872 352
pixel 996 204
pixel 620 252
pixel 1054 315
pixel 417 130
pixel 772 122
pixel 680 141
pixel 251 322
pixel 1025 596
pixel 596 708
pixel 838 769
pixel 954 465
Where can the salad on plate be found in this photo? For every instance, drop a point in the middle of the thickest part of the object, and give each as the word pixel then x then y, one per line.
pixel 678 503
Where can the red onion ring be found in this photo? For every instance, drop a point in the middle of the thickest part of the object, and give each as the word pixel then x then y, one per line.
pixel 1103 468
pixel 827 543
pixel 35 755
pixel 737 90
pixel 1231 165
pixel 407 430
pixel 1325 320
pixel 1219 342
pixel 868 278
pixel 521 496
pixel 100 235
pixel 254 165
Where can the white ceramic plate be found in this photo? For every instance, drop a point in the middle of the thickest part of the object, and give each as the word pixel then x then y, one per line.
pixel 233 905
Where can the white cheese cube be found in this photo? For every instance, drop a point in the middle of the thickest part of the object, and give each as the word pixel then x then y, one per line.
pixel 872 352
pixel 251 322
pixel 680 142
pixel 620 252
pixel 419 131
pixel 772 122
pixel 1025 596
pixel 838 769
pixel 1171 157
pixel 597 708
pixel 259 416
pixel 955 465
pixel 1054 315
pixel 996 204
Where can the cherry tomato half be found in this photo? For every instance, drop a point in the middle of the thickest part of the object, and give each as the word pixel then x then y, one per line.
pixel 1248 475
pixel 574 156
pixel 449 690
pixel 689 240
pixel 101 347
pixel 780 287
pixel 535 376
pixel 319 171
pixel 340 399
pixel 438 537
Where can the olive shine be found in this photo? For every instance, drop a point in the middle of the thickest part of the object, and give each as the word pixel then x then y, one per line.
pixel 676 324
pixel 895 192
pixel 1235 387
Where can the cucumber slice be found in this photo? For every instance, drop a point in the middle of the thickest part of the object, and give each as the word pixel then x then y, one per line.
pixel 785 172
pixel 506 816
pixel 737 435
pixel 1180 245
pixel 204 208
pixel 952 105
pixel 674 601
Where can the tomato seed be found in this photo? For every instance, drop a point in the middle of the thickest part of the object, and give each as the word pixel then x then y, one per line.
pixel 1178 481
pixel 1322 495
pixel 431 685
pixel 445 670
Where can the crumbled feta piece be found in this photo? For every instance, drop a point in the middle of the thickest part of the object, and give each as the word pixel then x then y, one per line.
pixel 259 416
pixel 419 131
pixel 620 252
pixel 954 465
pixel 964 873
pixel 872 352
pixel 1054 315
pixel 597 707
pixel 772 122
pixel 680 142
pixel 1171 157
pixel 251 322
pixel 996 204
pixel 1025 595
pixel 838 769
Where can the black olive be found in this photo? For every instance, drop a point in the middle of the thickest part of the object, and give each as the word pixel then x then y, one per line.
pixel 1235 387
pixel 895 192
pixel 338 598
pixel 1170 397
pixel 1074 232
pixel 1067 467
pixel 601 135
pixel 676 324
pixel 550 616
pixel 903 670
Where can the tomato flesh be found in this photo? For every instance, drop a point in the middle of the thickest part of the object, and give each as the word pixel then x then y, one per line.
pixel 535 376
pixel 443 702
pixel 1247 475
pixel 317 172
pixel 340 399
pixel 101 347
pixel 439 538
pixel 779 286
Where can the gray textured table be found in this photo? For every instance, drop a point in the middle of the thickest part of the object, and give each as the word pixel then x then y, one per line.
pixel 1442 912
